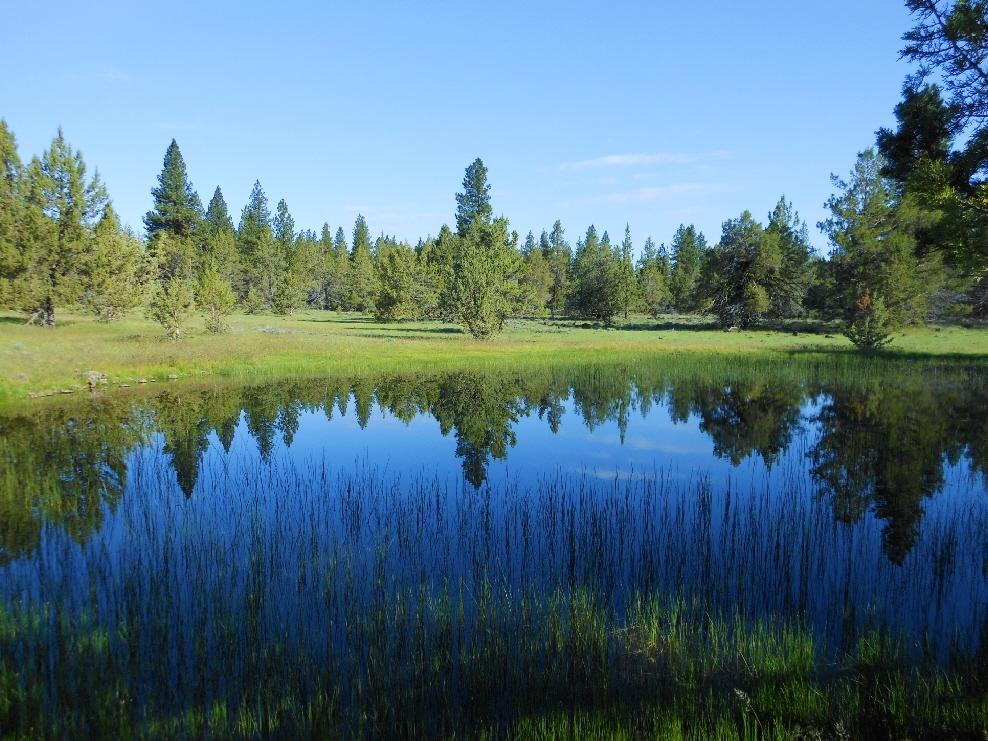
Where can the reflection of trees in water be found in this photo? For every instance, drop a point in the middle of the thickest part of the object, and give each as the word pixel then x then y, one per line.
pixel 881 446
pixel 63 467
pixel 745 417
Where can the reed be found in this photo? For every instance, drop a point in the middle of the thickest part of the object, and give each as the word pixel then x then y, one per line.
pixel 294 600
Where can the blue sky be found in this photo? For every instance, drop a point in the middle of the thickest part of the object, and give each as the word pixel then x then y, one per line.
pixel 647 113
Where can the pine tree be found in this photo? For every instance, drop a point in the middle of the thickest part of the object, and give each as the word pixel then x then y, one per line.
pixel 876 279
pixel 788 289
pixel 535 281
pixel 333 280
pixel 688 248
pixel 653 279
pixel 171 303
pixel 215 299
pixel 742 272
pixel 217 217
pixel 440 266
pixel 474 203
pixel 484 276
pixel 558 256
pixel 62 208
pixel 10 218
pixel 595 278
pixel 177 208
pixel 404 290
pixel 114 271
pixel 283 226
pixel 292 290
pixel 362 281
pixel 529 246
pixel 219 244
pixel 262 260
pixel 626 296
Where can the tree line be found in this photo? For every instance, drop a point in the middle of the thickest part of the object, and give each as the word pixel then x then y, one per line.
pixel 907 228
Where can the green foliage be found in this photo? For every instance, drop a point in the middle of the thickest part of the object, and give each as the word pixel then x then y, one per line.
pixel 688 249
pixel 626 295
pixel 114 273
pixel 283 227
pixel 217 217
pixel 877 283
pixel 172 302
pixel 220 251
pixel 61 207
pixel 749 274
pixel 263 261
pixel 177 208
pixel 215 299
pixel 595 278
pixel 652 274
pixel 474 203
pixel 11 206
pixel 484 275
pixel 939 151
pixel 404 288
pixel 333 276
pixel 871 325
pixel 558 255
pixel 788 287
pixel 440 260
pixel 534 282
pixel 361 278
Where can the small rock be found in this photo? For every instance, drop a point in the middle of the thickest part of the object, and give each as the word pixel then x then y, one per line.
pixel 153 380
pixel 32 395
pixel 68 391
pixel 142 380
pixel 733 329
pixel 172 377
pixel 125 385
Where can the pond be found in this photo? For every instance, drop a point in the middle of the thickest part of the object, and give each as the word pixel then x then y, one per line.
pixel 201 545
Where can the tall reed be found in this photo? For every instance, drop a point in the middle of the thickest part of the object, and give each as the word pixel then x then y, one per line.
pixel 293 600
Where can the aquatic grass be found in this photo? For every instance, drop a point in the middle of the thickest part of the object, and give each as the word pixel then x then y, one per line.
pixel 295 600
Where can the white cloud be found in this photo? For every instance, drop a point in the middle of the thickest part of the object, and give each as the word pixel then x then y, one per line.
pixel 639 160
pixel 645 195
pixel 111 74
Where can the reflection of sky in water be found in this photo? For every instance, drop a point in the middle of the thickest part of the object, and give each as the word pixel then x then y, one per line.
pixel 847 563
pixel 652 442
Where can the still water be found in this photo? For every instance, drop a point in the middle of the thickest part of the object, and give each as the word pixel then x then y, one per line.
pixel 203 541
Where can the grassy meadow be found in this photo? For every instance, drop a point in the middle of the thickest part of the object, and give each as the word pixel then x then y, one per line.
pixel 35 361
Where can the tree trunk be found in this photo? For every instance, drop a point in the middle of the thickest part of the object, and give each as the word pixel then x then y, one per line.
pixel 48 313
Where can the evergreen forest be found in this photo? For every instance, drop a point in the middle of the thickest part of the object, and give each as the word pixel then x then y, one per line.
pixel 908 235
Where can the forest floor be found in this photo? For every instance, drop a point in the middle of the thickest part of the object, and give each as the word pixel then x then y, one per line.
pixel 36 361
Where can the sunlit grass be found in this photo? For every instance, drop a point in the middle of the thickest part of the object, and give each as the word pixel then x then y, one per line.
pixel 35 360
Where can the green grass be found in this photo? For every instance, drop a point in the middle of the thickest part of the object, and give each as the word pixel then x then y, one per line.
pixel 39 361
